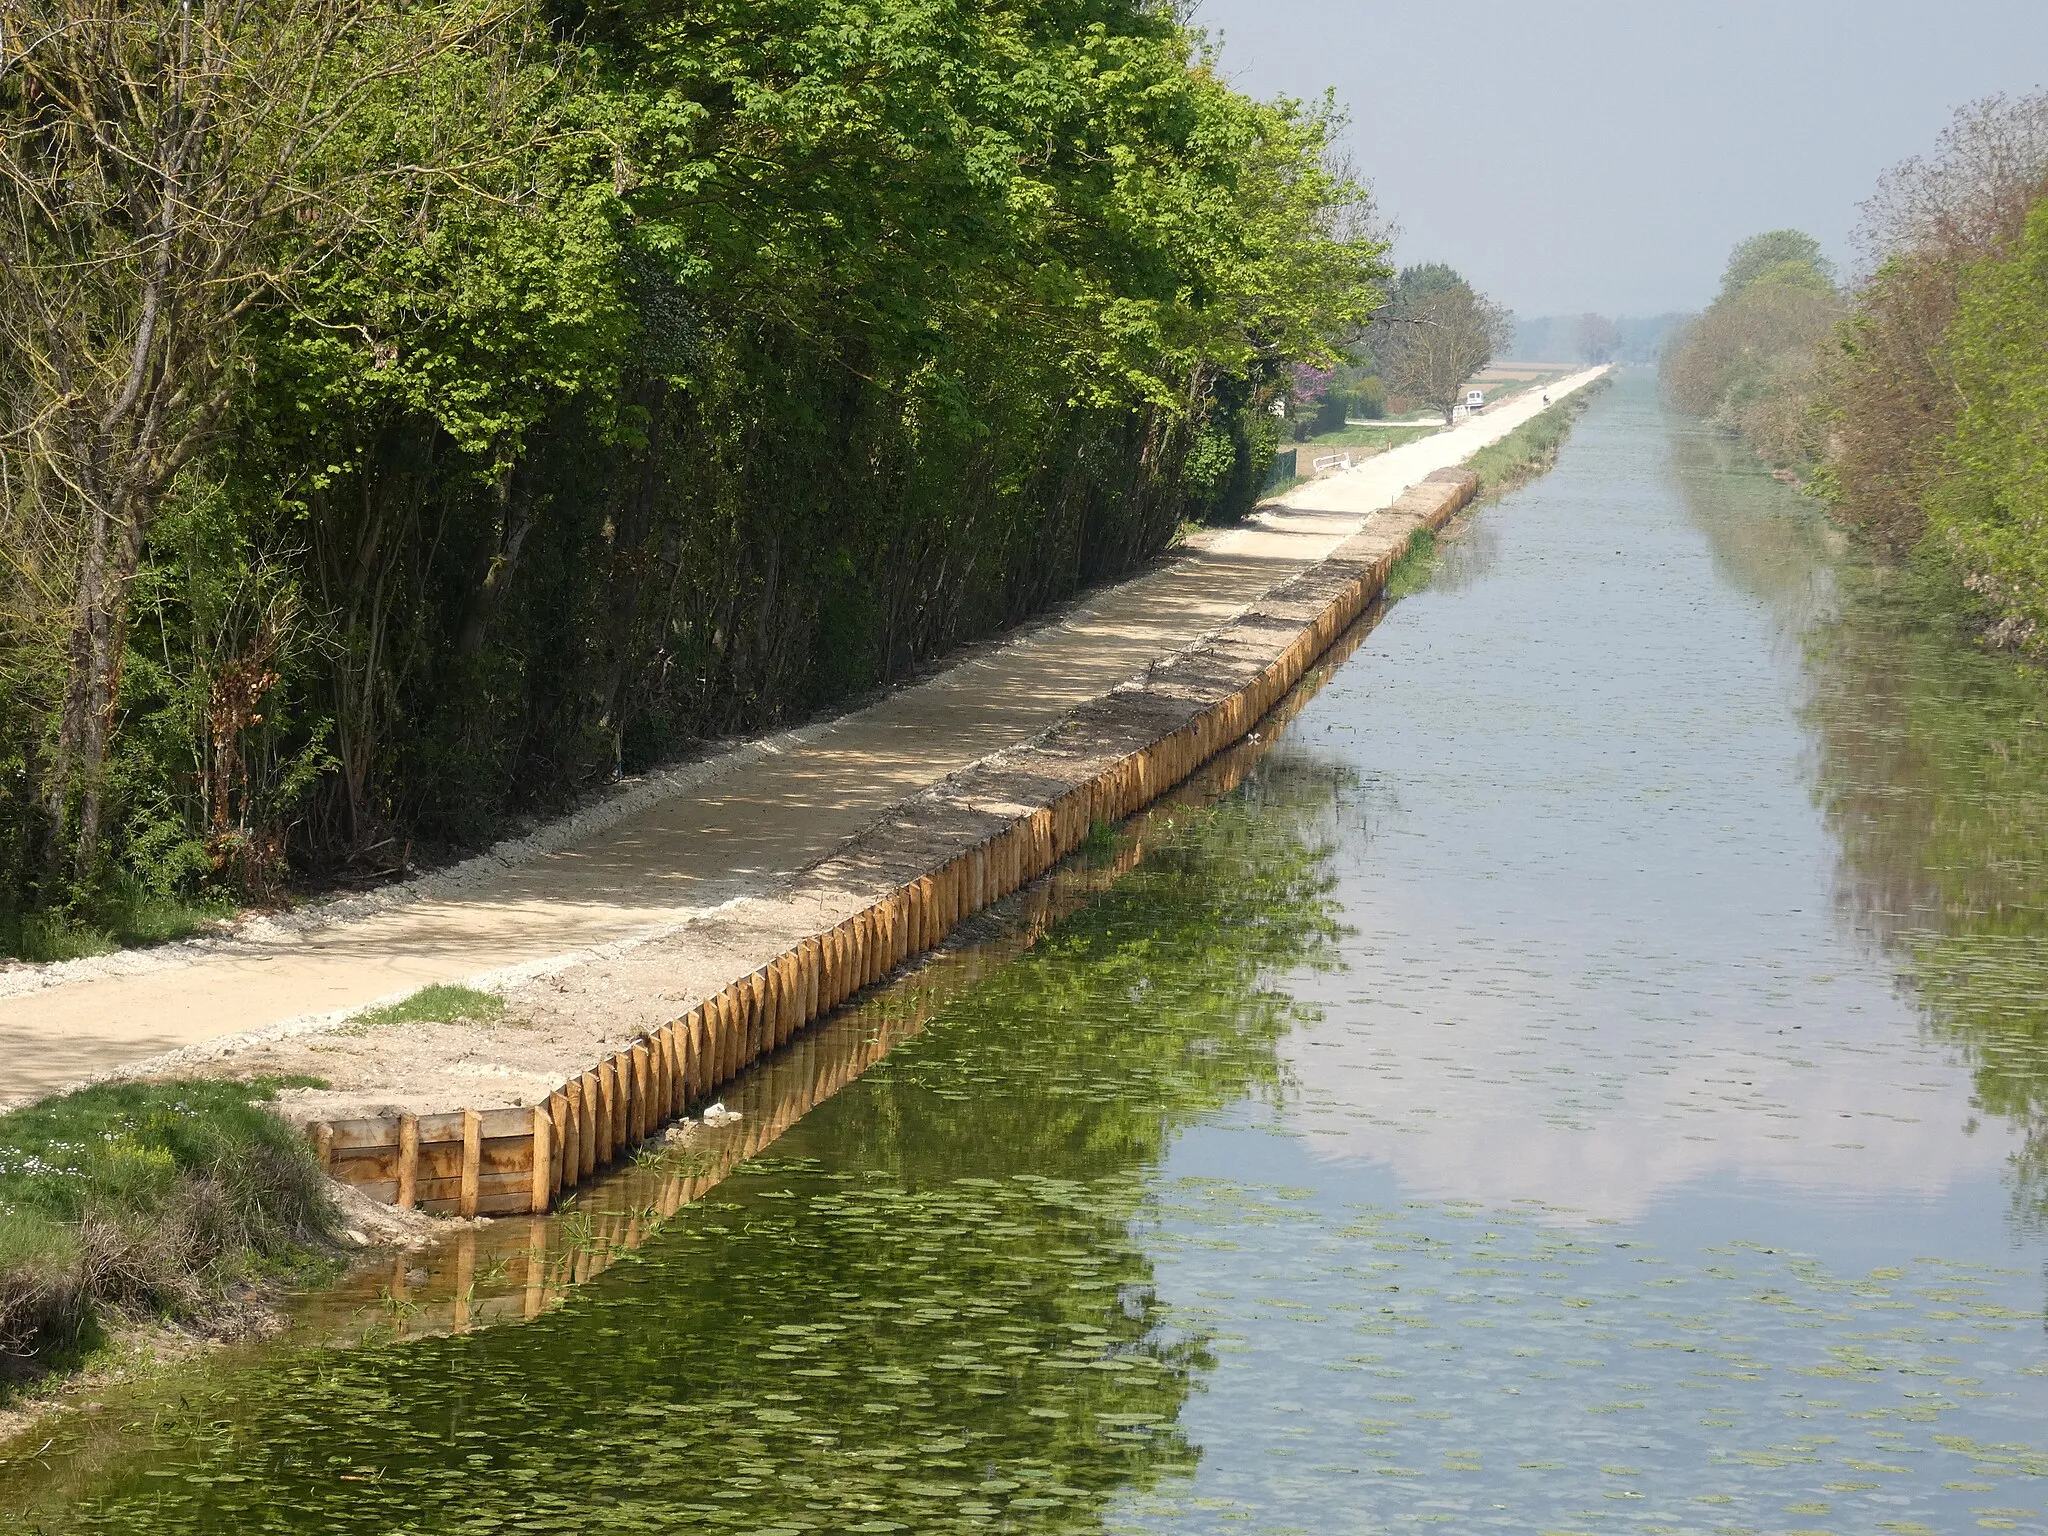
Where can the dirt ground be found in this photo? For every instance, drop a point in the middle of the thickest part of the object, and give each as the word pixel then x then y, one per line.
pixel 603 923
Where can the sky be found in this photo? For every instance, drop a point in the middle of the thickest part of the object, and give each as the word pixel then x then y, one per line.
pixel 1572 155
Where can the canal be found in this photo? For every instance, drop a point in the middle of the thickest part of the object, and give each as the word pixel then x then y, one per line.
pixel 1588 1075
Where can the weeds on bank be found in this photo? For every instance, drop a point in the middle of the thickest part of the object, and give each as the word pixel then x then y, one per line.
pixel 128 915
pixel 1412 572
pixel 1531 449
pixel 435 1005
pixel 146 1199
pixel 1100 843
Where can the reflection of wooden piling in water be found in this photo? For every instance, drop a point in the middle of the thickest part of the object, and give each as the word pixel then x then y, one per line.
pixel 551 1257
pixel 1148 736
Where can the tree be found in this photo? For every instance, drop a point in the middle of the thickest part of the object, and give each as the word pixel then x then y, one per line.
pixel 1598 338
pixel 1989 509
pixel 1890 400
pixel 165 166
pixel 1773 249
pixel 1437 341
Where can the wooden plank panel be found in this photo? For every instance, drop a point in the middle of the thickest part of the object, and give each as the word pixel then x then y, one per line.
pixel 439 1160
pixel 441 1127
pixel 507 1154
pixel 381 1131
pixel 364 1165
pixel 509 1202
pixel 515 1121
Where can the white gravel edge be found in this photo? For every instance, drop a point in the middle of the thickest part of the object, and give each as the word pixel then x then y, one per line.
pixel 625 799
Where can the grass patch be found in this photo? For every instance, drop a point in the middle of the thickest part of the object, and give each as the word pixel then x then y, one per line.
pixel 1411 573
pixel 1379 439
pixel 1531 449
pixel 1100 843
pixel 437 1004
pixel 146 1199
pixel 129 916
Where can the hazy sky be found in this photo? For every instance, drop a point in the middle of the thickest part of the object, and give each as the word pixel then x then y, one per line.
pixel 1604 154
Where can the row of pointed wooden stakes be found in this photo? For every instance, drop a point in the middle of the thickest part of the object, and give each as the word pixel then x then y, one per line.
pixel 521 1159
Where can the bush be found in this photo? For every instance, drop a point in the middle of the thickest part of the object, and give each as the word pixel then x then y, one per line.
pixel 146 1199
pixel 1988 510
pixel 1751 363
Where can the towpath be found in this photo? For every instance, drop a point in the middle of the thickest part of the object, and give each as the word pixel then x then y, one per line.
pixel 740 828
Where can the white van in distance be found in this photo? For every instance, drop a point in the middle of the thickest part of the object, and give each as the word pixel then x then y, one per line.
pixel 1475 401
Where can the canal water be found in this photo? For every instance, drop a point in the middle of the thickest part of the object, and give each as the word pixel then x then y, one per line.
pixel 1588 1077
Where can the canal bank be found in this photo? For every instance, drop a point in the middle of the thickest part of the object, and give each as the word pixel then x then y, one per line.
pixel 459 1118
pixel 1523 1103
pixel 687 845
pixel 895 894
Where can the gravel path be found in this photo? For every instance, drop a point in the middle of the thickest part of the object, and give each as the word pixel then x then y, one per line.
pixel 677 847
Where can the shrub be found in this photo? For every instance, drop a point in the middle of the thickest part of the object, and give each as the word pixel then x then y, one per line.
pixel 146 1199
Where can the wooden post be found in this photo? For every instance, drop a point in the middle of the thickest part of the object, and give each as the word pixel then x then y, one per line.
pixel 586 1125
pixel 641 1124
pixel 543 1158
pixel 791 965
pixel 607 1092
pixel 408 1162
pixel 760 1037
pixel 561 1161
pixel 622 1088
pixel 695 1059
pixel 772 1006
pixel 716 1035
pixel 472 1159
pixel 536 1267
pixel 465 1276
pixel 671 1073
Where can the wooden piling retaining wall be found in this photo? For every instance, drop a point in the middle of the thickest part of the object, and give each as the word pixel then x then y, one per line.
pixel 1039 802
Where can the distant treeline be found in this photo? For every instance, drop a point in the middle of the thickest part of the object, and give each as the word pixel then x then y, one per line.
pixel 1592 338
pixel 413 416
pixel 1914 399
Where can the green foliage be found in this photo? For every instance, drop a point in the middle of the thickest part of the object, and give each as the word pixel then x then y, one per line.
pixel 1412 572
pixel 149 1197
pixel 770 350
pixel 122 912
pixel 1752 362
pixel 1786 256
pixel 437 1004
pixel 1988 511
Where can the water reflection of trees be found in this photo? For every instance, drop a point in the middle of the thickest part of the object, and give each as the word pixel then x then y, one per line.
pixel 929 1310
pixel 1932 771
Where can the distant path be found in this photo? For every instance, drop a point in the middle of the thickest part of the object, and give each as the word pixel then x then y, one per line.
pixel 737 833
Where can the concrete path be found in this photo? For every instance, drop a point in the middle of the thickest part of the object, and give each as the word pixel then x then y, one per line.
pixel 735 834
